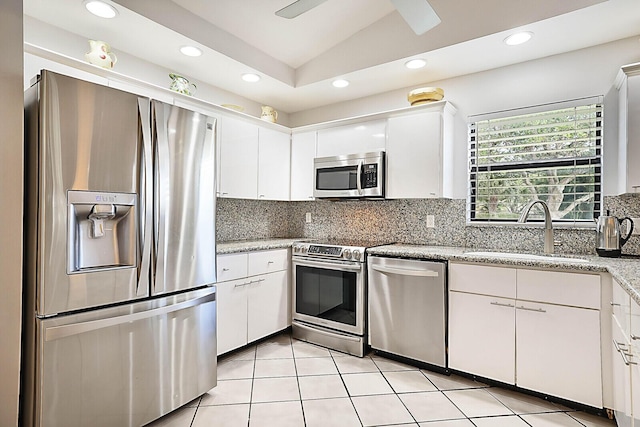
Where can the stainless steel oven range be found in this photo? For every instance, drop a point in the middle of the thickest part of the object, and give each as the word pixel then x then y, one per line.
pixel 329 294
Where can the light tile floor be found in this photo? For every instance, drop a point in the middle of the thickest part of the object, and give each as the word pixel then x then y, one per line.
pixel 284 382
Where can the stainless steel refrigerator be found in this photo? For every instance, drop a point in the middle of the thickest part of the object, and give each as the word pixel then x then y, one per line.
pixel 120 311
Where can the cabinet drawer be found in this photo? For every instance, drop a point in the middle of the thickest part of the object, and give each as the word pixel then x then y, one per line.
pixel 231 266
pixel 268 261
pixel 482 279
pixel 557 287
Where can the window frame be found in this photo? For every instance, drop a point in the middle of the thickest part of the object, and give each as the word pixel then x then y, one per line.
pixel 596 161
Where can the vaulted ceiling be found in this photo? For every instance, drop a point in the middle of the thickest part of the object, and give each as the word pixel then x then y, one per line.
pixel 364 41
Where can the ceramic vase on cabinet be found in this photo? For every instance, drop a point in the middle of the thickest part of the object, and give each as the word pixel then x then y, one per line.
pixel 182 85
pixel 100 54
pixel 269 114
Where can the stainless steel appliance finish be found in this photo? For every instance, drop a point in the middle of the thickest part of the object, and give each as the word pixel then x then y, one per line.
pixel 120 211
pixel 609 237
pixel 350 176
pixel 407 308
pixel 329 295
pixel 124 365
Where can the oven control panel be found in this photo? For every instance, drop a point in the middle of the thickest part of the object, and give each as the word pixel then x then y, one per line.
pixel 325 250
pixel 328 251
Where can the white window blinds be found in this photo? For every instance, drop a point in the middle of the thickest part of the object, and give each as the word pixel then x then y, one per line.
pixel 552 153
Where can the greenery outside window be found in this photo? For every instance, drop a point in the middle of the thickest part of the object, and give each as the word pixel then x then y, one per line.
pixel 550 153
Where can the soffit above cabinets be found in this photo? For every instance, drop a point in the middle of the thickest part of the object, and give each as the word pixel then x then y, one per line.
pixel 364 41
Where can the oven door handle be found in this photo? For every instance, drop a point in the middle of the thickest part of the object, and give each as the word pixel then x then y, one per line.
pixel 405 272
pixel 329 264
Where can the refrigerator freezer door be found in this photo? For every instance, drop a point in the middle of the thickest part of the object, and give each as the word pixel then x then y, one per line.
pixel 80 137
pixel 125 366
pixel 184 212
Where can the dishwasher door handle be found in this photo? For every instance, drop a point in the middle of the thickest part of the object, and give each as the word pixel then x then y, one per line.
pixel 405 271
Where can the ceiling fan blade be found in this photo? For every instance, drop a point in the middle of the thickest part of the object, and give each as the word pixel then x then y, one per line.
pixel 298 8
pixel 418 13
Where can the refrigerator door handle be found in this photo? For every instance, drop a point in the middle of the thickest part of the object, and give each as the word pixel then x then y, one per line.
pixel 145 197
pixel 57 332
pixel 161 189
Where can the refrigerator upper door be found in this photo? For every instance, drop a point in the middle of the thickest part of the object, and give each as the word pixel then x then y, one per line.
pixel 184 210
pixel 83 157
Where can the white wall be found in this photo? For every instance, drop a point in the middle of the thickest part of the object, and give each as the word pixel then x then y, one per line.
pixel 11 136
pixel 571 75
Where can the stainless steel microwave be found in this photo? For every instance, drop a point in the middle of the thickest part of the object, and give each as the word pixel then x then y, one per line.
pixel 349 176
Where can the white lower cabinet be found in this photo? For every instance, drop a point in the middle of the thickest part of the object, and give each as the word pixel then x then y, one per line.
pixel 482 335
pixel 558 351
pixel 267 305
pixel 543 345
pixel 255 305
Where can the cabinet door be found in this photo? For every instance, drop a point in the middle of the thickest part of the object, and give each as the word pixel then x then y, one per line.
pixel 274 161
pixel 355 138
pixel 303 151
pixel 482 335
pixel 268 304
pixel 558 351
pixel 232 314
pixel 238 159
pixel 414 156
pixel 621 378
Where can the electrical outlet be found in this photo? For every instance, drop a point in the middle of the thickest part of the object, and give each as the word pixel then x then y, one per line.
pixel 307 217
pixel 431 221
pixel 636 226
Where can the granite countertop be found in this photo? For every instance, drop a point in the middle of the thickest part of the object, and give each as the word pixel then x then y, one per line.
pixel 254 245
pixel 625 271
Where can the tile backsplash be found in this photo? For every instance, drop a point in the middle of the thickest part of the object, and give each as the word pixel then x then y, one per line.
pixel 402 221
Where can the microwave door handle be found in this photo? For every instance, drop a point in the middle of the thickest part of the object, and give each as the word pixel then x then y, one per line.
pixel 359 176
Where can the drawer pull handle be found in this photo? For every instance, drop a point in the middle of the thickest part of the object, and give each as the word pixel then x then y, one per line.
pixel 270 262
pixel 499 304
pixel 537 310
pixel 635 337
pixel 225 269
pixel 625 357
pixel 614 304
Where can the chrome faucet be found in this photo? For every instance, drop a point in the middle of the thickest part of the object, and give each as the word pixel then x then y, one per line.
pixel 548 227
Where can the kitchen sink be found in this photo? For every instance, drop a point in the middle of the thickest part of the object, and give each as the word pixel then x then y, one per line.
pixel 524 256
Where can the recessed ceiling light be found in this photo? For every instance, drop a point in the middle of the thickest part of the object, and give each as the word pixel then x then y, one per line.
pixel 415 63
pixel 340 83
pixel 190 51
pixel 250 77
pixel 100 8
pixel 518 38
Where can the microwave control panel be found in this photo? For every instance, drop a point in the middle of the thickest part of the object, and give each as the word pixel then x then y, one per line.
pixel 370 175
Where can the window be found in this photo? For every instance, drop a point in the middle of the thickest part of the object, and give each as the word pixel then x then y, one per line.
pixel 550 153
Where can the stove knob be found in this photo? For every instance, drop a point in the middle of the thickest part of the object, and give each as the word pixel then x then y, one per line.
pixel 296 249
pixel 346 253
pixel 356 255
pixel 304 249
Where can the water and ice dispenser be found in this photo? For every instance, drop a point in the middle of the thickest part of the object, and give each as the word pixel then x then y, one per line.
pixel 102 231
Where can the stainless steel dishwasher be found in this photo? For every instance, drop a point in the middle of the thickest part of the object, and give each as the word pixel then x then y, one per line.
pixel 407 308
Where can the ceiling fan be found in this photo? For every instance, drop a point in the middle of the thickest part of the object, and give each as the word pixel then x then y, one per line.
pixel 418 13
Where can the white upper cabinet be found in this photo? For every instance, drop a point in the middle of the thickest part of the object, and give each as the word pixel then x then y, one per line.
pixel 238 159
pixel 360 137
pixel 628 84
pixel 254 161
pixel 303 151
pixel 274 161
pixel 419 155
